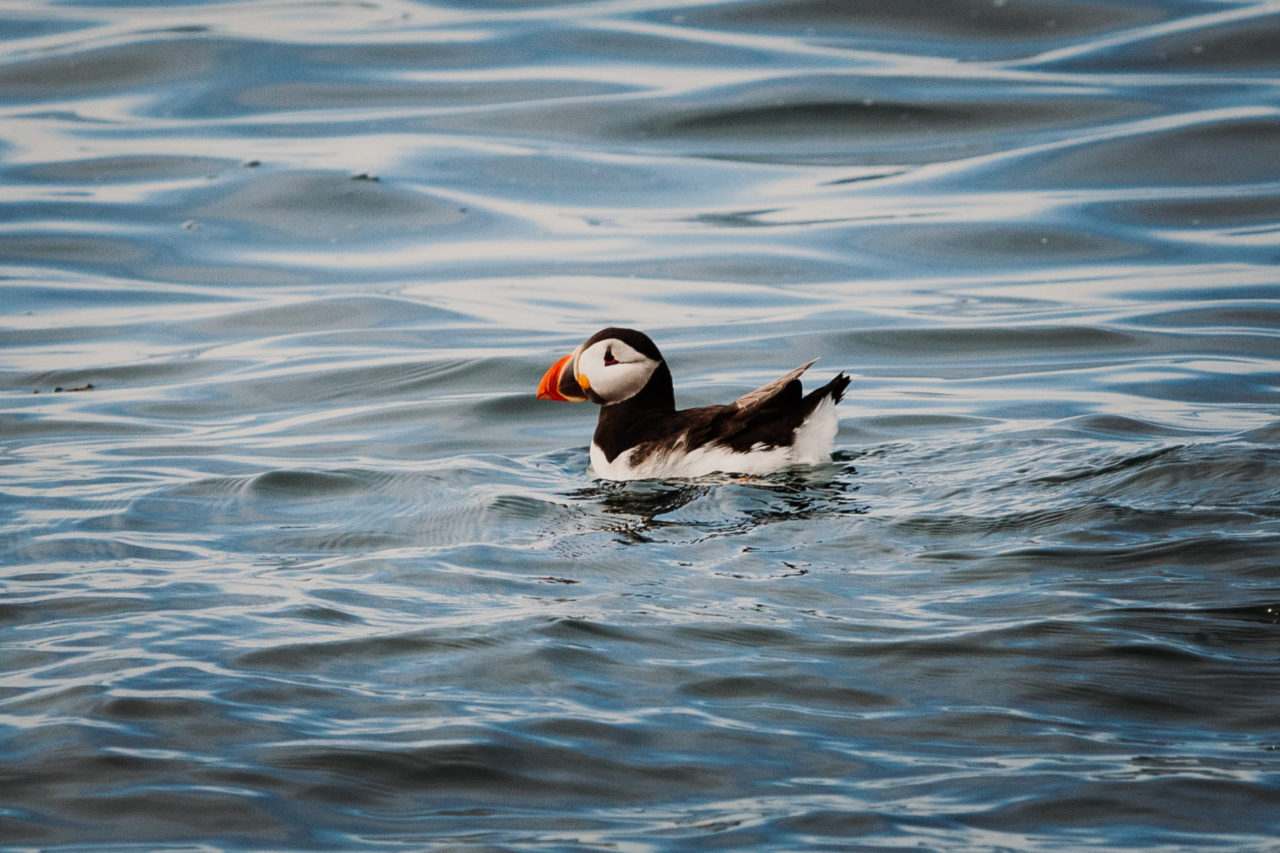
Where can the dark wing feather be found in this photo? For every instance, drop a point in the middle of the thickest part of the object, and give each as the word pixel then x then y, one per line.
pixel 768 416
pixel 784 389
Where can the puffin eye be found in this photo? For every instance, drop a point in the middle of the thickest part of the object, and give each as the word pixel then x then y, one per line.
pixel 608 357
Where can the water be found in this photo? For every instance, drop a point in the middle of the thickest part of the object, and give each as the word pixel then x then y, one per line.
pixel 307 566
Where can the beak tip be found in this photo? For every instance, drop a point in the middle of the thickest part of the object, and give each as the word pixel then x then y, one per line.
pixel 549 387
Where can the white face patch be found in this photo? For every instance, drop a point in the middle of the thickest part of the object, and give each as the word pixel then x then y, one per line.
pixel 613 370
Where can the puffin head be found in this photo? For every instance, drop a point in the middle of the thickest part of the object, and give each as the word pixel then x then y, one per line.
pixel 610 366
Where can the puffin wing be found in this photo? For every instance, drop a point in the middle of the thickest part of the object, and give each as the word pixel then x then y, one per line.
pixel 768 415
pixel 768 395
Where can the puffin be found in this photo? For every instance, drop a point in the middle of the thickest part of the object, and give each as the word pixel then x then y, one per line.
pixel 642 435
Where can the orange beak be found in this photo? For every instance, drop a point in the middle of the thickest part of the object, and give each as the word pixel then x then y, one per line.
pixel 559 383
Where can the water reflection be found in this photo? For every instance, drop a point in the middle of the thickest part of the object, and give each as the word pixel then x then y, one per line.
pixel 645 499
pixel 719 506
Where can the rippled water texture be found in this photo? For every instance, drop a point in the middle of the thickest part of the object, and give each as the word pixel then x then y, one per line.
pixel 293 560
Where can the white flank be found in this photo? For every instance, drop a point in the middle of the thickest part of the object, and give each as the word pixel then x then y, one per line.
pixel 812 446
pixel 816 435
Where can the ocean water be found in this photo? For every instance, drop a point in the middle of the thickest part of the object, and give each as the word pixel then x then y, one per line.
pixel 291 558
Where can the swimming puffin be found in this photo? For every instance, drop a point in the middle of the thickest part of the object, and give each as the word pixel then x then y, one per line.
pixel 641 434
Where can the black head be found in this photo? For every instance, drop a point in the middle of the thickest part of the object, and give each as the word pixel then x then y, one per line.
pixel 613 365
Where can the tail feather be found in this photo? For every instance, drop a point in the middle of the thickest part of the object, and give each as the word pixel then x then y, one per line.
pixel 835 389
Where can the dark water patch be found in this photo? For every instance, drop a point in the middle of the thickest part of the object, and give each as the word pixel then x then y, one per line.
pixel 128 381
pixel 866 121
pixel 396 82
pixel 994 345
pixel 76 251
pixel 887 427
pixel 1268 435
pixel 35 298
pixel 1032 523
pixel 998 245
pixel 576 629
pixel 483 770
pixel 307 484
pixel 805 120
pixel 416 383
pixel 814 119
pixel 60 708
pixel 518 508
pixel 19 425
pixel 204 489
pixel 425 94
pixel 1238 41
pixel 564 177
pixel 789 690
pixel 1178 557
pixel 1224 152
pixel 1247 632
pixel 17 28
pixel 971 29
pixel 72 602
pixel 324 206
pixel 324 615
pixel 310 316
pixel 1235 286
pixel 1204 477
pixel 128 67
pixel 671 48
pixel 336 655
pixel 86 550
pixel 359 397
pixel 1142 674
pixel 1203 212
pixel 1237 318
pixel 1124 807
pixel 144 709
pixel 401 55
pixel 369 776
pixel 1106 467
pixel 14 696
pixel 801 112
pixel 737 636
pixel 304 538
pixel 838 821
pixel 159 817
pixel 746 266
pixel 220 271
pixel 1227 384
pixel 1120 426
pixel 117 170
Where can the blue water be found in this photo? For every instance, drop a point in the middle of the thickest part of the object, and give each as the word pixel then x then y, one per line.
pixel 292 559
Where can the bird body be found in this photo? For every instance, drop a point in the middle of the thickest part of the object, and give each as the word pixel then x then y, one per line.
pixel 641 435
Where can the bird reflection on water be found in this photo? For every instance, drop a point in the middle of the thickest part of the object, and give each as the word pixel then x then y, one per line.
pixel 651 510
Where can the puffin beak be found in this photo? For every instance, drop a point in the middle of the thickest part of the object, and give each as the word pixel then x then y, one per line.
pixel 560 383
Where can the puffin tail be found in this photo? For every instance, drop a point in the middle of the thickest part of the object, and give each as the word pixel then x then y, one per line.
pixel 833 389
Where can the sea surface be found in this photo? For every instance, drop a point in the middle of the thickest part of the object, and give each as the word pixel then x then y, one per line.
pixel 291 558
